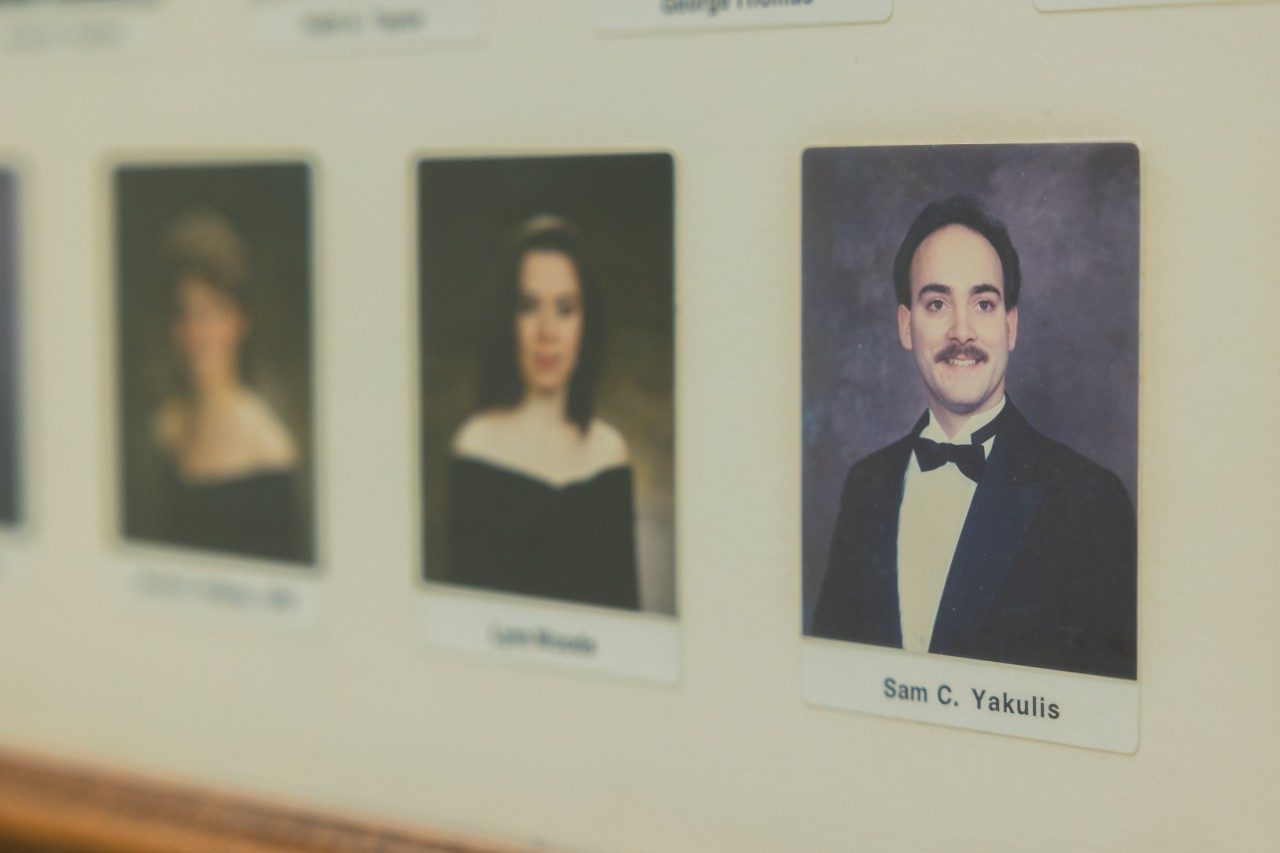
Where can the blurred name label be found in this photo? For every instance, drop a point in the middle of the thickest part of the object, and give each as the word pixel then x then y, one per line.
pixel 619 642
pixel 201 590
pixel 48 27
pixel 650 15
pixel 1041 704
pixel 367 23
pixel 1068 5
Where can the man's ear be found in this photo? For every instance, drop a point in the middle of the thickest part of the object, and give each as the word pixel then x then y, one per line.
pixel 904 326
pixel 1011 323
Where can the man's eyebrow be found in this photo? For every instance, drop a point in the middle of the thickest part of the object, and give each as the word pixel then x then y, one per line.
pixel 934 288
pixel 986 288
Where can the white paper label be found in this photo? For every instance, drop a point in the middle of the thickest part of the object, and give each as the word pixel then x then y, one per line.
pixel 623 643
pixel 367 23
pixel 649 15
pixel 1062 707
pixel 266 596
pixel 102 27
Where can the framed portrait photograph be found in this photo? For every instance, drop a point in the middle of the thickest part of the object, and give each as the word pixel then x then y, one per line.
pixel 547 373
pixel 213 347
pixel 970 435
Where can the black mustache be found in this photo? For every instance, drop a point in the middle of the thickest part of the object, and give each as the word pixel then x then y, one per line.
pixel 962 351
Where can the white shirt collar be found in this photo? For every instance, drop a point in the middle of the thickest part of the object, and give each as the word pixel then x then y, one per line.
pixel 933 431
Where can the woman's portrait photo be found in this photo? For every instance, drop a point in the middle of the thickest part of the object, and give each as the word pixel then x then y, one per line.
pixel 547 369
pixel 215 381
pixel 10 486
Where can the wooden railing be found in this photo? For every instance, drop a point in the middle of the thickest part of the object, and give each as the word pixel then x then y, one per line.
pixel 58 805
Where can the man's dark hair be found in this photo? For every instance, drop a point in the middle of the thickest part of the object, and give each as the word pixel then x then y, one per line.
pixel 958 210
pixel 501 385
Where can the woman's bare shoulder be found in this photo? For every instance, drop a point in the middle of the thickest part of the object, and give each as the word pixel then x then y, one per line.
pixel 272 441
pixel 481 435
pixel 606 446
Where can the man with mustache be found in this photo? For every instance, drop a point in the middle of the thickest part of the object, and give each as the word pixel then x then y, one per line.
pixel 976 535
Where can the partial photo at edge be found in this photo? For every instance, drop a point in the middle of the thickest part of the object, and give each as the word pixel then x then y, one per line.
pixel 10 418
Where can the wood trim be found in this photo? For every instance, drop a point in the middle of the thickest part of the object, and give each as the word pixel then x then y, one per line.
pixel 53 804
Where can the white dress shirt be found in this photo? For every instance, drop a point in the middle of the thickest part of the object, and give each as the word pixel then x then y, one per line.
pixel 934 506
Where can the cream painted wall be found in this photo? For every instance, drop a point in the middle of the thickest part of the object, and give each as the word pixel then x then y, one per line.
pixel 358 713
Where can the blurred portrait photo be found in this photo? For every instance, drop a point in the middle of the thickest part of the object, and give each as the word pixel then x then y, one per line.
pixel 547 370
pixel 970 334
pixel 10 486
pixel 214 353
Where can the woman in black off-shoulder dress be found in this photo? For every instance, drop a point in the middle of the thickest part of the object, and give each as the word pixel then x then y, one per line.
pixel 540 489
pixel 229 461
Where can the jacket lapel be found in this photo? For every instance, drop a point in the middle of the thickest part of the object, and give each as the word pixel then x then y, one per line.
pixel 882 569
pixel 1004 503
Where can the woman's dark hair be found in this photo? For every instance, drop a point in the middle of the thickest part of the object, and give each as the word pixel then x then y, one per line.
pixel 501 385
pixel 958 210
pixel 204 245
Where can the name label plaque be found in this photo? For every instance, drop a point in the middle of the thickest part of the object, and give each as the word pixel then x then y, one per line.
pixel 628 16
pixel 337 24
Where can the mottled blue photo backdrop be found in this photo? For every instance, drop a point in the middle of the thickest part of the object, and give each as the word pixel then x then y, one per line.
pixel 1072 212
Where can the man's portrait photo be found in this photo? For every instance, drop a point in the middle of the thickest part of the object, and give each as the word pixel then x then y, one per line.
pixel 970 401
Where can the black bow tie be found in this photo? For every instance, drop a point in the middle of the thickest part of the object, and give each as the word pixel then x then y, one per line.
pixel 969 458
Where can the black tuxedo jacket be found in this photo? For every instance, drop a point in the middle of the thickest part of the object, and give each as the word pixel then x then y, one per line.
pixel 1044 573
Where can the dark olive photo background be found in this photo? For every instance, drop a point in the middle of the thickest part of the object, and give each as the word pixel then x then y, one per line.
pixel 269 207
pixel 1072 213
pixel 10 417
pixel 469 210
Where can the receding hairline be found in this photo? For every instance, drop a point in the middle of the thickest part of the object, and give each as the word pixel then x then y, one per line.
pixel 989 286
pixel 966 211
